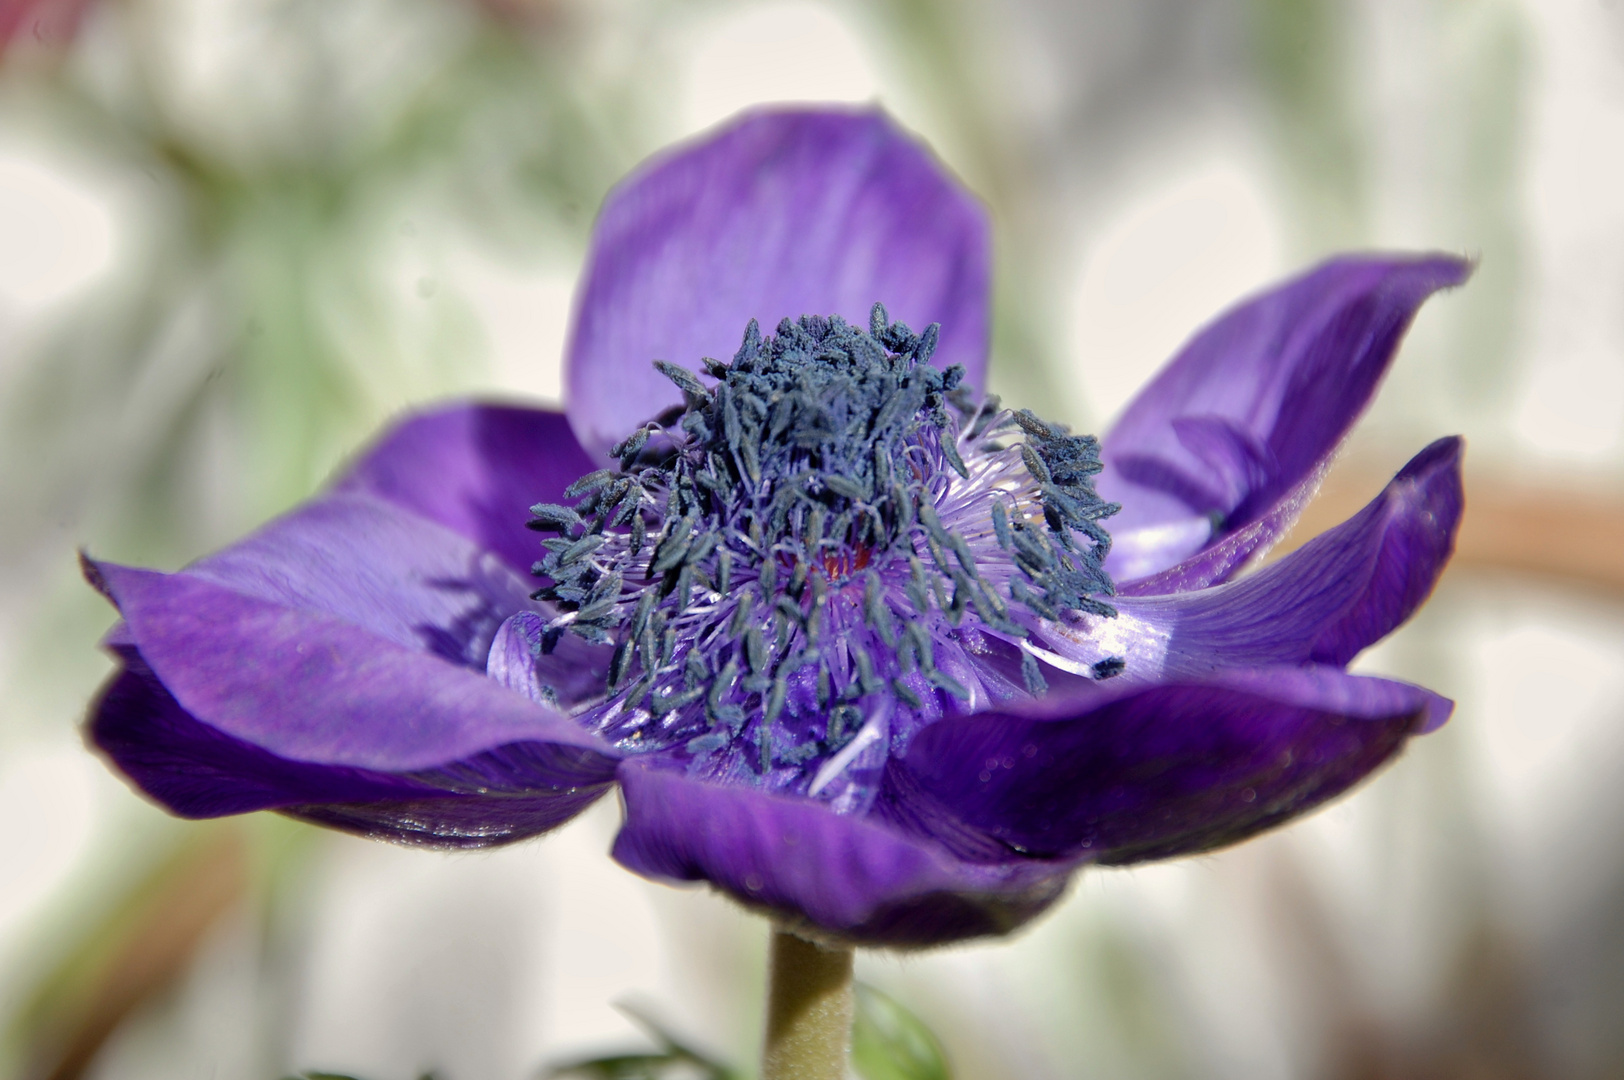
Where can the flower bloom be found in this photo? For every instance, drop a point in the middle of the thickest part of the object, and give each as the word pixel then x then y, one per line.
pixel 860 647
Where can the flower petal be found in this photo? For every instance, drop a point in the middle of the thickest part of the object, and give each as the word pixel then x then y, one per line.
pixel 837 876
pixel 787 212
pixel 476 469
pixel 1328 600
pixel 572 673
pixel 1254 405
pixel 1218 562
pixel 402 577
pixel 311 687
pixel 1323 603
pixel 376 566
pixel 198 771
pixel 1162 770
pixel 1415 518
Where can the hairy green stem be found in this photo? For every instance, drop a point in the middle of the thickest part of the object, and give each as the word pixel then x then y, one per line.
pixel 809 1011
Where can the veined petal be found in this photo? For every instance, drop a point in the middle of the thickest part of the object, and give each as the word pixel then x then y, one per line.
pixel 1323 603
pixel 1330 599
pixel 1221 559
pixel 311 687
pixel 787 212
pixel 198 771
pixel 1416 518
pixel 401 576
pixel 378 567
pixel 475 468
pixel 842 877
pixel 1162 770
pixel 571 673
pixel 1253 406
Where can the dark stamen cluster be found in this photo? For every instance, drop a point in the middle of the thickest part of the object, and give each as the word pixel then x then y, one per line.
pixel 1063 466
pixel 823 459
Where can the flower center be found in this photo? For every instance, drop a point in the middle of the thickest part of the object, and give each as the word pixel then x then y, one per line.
pixel 828 548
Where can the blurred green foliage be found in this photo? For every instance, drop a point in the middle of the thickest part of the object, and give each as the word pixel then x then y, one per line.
pixel 891 1043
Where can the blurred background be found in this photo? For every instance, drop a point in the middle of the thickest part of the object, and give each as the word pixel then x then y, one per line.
pixel 236 236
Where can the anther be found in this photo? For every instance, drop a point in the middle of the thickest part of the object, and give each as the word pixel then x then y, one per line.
pixel 720 558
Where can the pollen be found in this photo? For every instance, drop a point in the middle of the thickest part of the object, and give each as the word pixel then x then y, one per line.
pixel 842 565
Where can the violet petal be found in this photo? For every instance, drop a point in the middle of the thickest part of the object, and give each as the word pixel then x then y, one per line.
pixel 1254 404
pixel 476 469
pixel 784 213
pixel 1161 770
pixel 197 771
pixel 1218 562
pixel 377 566
pixel 1323 603
pixel 311 687
pixel 1328 600
pixel 838 876
pixel 402 577
pixel 573 672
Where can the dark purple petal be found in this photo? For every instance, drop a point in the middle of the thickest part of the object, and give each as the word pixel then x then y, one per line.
pixel 476 469
pixel 476 820
pixel 311 687
pixel 197 771
pixel 1253 406
pixel 838 876
pixel 787 212
pixel 1162 770
pixel 1328 600
pixel 495 797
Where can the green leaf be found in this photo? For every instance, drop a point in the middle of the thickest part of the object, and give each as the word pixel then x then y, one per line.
pixel 658 1066
pixel 891 1043
pixel 344 1076
pixel 617 1067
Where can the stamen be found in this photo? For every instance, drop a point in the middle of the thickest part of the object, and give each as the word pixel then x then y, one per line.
pixel 787 552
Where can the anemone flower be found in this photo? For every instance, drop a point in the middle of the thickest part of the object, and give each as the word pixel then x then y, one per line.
pixel 862 648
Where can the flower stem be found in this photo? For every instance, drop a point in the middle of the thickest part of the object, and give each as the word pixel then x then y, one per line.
pixel 809 1011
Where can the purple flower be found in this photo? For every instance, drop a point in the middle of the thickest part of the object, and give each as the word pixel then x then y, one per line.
pixel 844 632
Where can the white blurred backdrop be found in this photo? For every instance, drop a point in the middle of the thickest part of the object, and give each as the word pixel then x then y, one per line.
pixel 237 235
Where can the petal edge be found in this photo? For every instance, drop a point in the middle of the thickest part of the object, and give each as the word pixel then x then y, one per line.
pixel 785 212
pixel 1169 769
pixel 1255 403
pixel 840 878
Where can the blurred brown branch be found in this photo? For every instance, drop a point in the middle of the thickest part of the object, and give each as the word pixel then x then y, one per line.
pixel 146 941
pixel 1561 533
pixel 1476 1026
